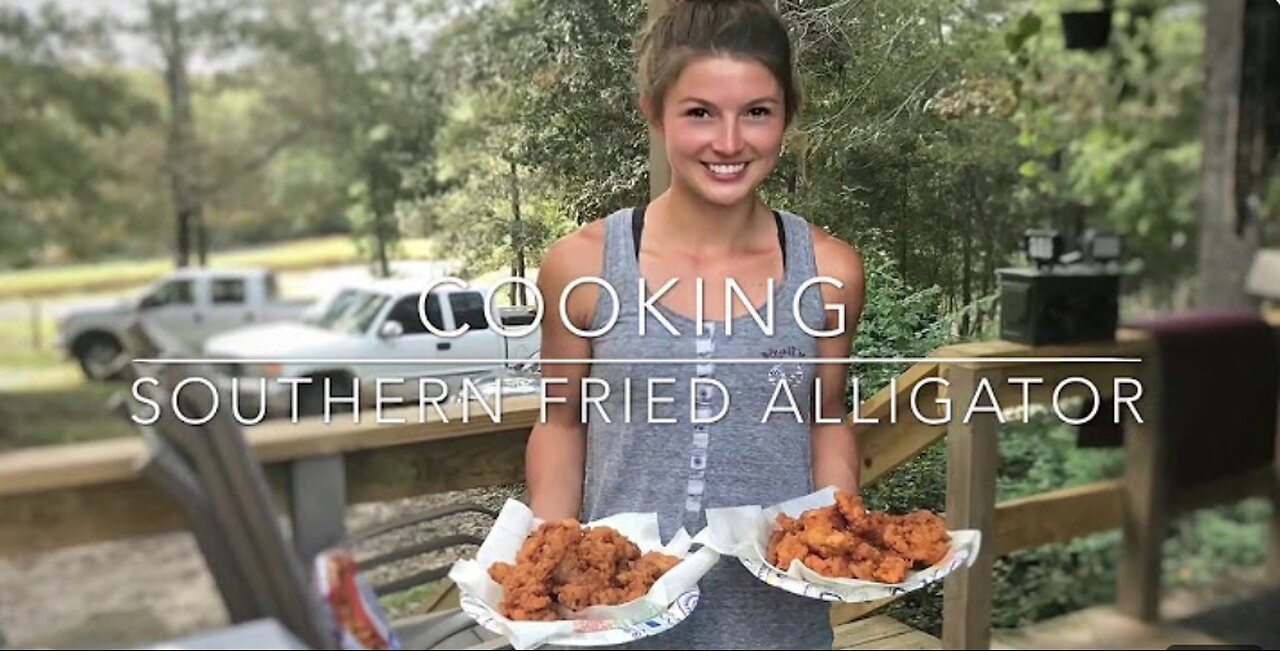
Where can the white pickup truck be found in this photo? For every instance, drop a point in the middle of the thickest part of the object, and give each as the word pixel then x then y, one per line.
pixel 181 311
pixel 370 332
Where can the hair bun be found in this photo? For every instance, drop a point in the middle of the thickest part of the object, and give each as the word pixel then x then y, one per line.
pixel 761 3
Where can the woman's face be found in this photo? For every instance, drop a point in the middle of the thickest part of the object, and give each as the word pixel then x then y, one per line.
pixel 723 122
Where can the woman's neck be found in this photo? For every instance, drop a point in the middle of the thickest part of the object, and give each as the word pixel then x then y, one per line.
pixel 704 228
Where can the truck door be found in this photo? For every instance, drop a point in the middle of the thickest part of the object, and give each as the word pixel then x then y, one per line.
pixel 232 304
pixel 171 312
pixel 423 353
pixel 480 341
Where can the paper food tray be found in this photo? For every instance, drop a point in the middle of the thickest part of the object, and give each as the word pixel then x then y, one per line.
pixel 743 532
pixel 671 599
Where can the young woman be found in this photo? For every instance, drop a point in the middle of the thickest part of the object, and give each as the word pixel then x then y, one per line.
pixel 718 87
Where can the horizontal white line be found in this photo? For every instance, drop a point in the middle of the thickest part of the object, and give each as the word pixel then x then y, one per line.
pixel 676 360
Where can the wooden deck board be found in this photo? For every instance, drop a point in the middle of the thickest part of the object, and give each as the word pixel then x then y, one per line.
pixel 1100 627
pixel 882 632
pixel 1226 612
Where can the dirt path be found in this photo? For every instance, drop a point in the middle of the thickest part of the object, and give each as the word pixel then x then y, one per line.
pixel 142 591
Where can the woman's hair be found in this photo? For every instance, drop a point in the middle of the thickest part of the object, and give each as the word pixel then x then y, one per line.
pixel 692 28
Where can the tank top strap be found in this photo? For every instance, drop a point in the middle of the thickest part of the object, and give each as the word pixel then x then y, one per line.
pixel 619 265
pixel 802 266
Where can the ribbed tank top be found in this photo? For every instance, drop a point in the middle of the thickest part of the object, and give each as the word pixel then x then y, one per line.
pixel 681 468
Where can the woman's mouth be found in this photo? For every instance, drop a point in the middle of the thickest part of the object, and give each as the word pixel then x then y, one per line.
pixel 726 171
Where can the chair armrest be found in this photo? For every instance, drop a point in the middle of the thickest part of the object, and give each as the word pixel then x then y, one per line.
pixel 434 544
pixel 438 631
pixel 413 580
pixel 436 513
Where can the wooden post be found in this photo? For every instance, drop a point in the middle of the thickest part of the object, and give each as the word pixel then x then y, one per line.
pixel 1238 144
pixel 659 167
pixel 1145 505
pixel 971 504
pixel 1273 545
pixel 318 504
pixel 37 324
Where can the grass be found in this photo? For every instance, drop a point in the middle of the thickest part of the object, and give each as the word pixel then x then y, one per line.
pixel 103 276
pixel 18 344
pixel 413 601
pixel 43 396
pixel 70 413
pixel 44 399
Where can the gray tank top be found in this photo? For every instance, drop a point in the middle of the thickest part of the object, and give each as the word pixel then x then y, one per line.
pixel 636 462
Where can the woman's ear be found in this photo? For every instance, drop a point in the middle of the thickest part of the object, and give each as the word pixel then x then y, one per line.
pixel 646 109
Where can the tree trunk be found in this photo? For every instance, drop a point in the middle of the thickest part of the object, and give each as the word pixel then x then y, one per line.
pixel 943 246
pixel 990 221
pixel 1240 134
pixel 180 155
pixel 517 235
pixel 966 263
pixel 380 231
pixel 903 235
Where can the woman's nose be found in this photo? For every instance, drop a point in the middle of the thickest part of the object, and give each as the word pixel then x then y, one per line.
pixel 729 138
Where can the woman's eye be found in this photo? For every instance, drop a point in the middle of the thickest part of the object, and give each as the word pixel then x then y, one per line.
pixel 698 112
pixel 759 112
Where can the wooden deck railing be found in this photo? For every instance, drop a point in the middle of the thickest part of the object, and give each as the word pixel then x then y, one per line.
pixel 77 494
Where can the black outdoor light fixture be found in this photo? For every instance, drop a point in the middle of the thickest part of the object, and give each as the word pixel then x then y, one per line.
pixel 1066 296
pixel 1102 247
pixel 1088 30
pixel 1044 246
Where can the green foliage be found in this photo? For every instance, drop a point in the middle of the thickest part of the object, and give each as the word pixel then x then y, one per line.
pixel 933 133
pixel 54 177
pixel 1112 138
pixel 1210 544
pixel 897 321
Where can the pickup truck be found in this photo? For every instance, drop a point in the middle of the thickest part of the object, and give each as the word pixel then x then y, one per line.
pixel 372 331
pixel 182 310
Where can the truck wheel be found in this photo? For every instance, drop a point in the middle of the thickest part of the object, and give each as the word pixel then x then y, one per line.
pixel 97 355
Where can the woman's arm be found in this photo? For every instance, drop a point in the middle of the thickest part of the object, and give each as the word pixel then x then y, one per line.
pixel 836 460
pixel 556 452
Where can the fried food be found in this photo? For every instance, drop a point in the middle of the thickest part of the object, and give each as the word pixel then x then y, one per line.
pixel 562 566
pixel 845 540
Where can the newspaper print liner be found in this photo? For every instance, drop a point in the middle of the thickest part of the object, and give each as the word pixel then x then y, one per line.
pixel 670 600
pixel 594 632
pixel 807 583
pixel 744 531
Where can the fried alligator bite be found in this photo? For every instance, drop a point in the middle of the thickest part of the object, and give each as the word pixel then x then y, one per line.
pixel 845 540
pixel 562 564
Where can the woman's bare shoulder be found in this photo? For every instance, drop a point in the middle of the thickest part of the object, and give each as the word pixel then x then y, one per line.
pixel 579 253
pixel 835 257
pixel 576 255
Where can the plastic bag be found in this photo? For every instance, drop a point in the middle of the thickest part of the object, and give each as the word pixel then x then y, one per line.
pixel 358 620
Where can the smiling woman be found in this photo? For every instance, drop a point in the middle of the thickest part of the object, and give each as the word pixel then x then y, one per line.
pixel 717 89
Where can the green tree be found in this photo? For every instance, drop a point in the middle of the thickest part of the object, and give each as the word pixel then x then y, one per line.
pixel 54 113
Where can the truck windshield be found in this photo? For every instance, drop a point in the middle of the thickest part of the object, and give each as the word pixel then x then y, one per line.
pixel 352 312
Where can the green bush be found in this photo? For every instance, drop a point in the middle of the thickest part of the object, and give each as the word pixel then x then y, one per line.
pixel 897 321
